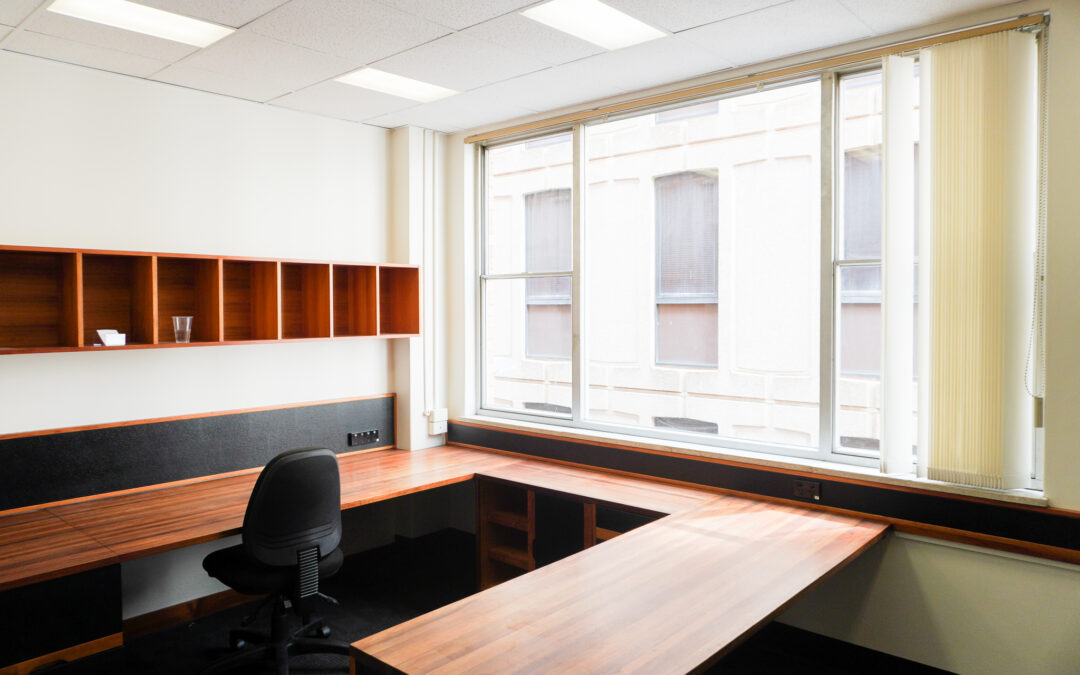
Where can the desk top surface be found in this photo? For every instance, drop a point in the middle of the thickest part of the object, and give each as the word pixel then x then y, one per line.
pixel 60 540
pixel 669 597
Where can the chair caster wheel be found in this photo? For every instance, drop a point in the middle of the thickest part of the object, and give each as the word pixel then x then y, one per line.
pixel 238 643
pixel 321 632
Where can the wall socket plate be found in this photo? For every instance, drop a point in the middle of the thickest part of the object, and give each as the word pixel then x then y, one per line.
pixel 363 437
pixel 809 490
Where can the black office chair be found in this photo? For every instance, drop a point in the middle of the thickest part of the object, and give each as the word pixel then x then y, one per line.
pixel 291 532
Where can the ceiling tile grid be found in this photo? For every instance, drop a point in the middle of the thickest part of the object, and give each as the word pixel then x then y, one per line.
pixel 253 66
pixel 288 52
pixel 889 16
pixel 533 39
pixel 78 53
pixel 334 99
pixel 232 13
pixel 460 63
pixel 14 12
pixel 679 15
pixel 459 14
pixel 780 30
pixel 87 32
pixel 359 30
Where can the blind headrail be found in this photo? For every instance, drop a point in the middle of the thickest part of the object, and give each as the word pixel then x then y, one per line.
pixel 754 78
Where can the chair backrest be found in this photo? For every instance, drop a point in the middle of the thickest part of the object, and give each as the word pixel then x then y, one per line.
pixel 296 505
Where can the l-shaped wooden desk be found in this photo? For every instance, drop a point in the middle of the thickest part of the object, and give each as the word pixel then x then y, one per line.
pixel 671 596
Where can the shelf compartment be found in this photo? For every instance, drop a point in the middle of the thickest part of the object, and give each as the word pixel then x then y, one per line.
pixel 118 293
pixel 189 287
pixel 250 291
pixel 356 306
pixel 399 300
pixel 39 299
pixel 305 300
pixel 517 521
pixel 509 555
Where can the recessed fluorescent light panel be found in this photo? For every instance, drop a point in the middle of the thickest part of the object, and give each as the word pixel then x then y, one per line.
pixel 593 21
pixel 396 85
pixel 142 19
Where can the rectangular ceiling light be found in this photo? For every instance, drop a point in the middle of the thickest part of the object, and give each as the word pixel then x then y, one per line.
pixel 142 19
pixel 396 85
pixel 593 21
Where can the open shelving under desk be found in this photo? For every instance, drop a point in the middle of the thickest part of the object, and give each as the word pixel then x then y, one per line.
pixel 57 299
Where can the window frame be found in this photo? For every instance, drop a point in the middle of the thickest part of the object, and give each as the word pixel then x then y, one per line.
pixel 828 449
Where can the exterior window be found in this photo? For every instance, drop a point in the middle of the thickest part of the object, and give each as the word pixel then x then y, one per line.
pixel 736 282
pixel 686 289
pixel 548 234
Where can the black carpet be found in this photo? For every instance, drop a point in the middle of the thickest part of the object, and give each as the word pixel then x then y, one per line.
pixel 381 588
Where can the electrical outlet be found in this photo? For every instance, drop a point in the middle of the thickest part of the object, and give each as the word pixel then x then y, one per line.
pixel 809 490
pixel 363 437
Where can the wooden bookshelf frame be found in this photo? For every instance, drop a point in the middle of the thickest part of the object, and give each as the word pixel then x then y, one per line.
pixel 56 299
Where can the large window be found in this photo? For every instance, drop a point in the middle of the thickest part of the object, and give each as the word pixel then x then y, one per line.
pixel 736 285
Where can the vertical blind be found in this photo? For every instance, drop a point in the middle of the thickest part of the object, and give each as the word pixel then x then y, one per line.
pixel 979 240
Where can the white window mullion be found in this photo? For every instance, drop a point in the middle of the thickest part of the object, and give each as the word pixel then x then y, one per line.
pixel 897 269
pixel 829 276
pixel 577 295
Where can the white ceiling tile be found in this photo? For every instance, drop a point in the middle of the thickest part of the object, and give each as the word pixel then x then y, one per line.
pixel 233 13
pixel 655 63
pixel 677 15
pixel 889 16
pixel 781 30
pixel 359 30
pixel 59 49
pixel 12 12
pixel 4 30
pixel 459 14
pixel 230 84
pixel 460 63
pixel 343 101
pixel 552 88
pixel 253 66
pixel 108 37
pixel 463 111
pixel 533 39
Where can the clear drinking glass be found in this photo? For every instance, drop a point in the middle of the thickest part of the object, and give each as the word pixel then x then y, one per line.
pixel 182 328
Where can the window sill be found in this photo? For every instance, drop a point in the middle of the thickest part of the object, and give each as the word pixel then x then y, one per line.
pixel 780 462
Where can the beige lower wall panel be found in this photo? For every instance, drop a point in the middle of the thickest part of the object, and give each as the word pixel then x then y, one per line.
pixel 963 610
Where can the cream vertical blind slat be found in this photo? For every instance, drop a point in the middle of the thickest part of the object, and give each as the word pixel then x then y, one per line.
pixel 982 208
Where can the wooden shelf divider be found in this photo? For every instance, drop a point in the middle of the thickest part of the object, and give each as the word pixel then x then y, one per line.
pixel 507 529
pixel 54 299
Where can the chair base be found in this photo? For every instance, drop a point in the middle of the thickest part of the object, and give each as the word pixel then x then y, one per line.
pixel 280 644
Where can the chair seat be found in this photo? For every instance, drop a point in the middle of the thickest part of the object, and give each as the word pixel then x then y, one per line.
pixel 232 567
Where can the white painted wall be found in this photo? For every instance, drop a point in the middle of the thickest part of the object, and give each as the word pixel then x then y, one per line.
pixel 95 160
pixel 90 159
pixel 962 609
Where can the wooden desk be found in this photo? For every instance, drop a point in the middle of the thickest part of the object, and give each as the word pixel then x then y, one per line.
pixel 668 596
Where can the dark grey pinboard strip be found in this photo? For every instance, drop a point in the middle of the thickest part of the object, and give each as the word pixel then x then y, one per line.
pixel 52 467
pixel 997 519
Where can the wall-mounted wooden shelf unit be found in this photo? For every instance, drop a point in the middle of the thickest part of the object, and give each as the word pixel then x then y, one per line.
pixel 57 299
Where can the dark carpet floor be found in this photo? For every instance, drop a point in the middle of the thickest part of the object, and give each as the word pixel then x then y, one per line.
pixel 380 588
